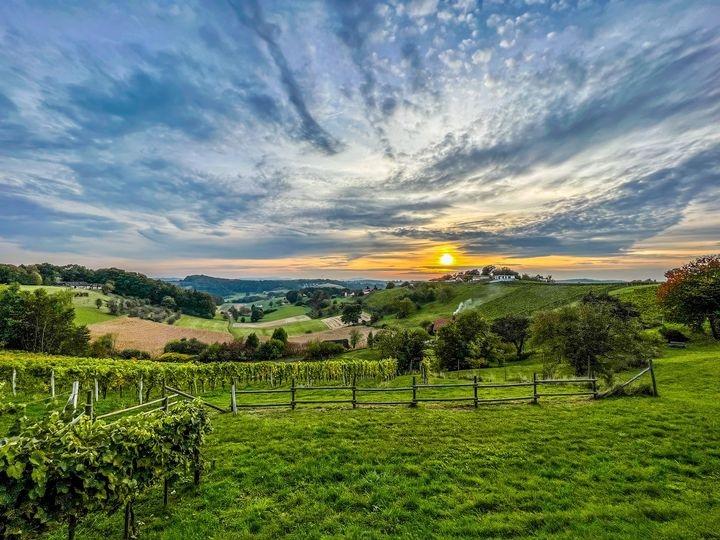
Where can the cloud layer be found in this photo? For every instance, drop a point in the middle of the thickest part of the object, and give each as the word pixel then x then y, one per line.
pixel 344 136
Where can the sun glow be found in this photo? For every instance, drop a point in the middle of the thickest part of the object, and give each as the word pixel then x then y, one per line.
pixel 446 259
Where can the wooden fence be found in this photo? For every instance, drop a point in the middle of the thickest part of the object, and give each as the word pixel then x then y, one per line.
pixel 587 387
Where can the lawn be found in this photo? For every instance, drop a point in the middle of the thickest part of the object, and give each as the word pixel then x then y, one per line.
pixel 636 467
pixel 86 311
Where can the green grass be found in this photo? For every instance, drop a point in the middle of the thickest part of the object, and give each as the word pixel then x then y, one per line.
pixel 217 324
pixel 293 329
pixel 644 297
pixel 284 312
pixel 635 467
pixel 492 299
pixel 86 312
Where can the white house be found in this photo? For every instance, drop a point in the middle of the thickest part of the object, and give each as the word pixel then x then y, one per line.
pixel 503 277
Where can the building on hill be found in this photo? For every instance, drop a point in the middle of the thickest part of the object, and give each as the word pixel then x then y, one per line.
pixel 80 285
pixel 503 277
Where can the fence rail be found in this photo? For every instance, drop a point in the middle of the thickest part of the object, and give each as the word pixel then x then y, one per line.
pixel 415 389
pixel 588 387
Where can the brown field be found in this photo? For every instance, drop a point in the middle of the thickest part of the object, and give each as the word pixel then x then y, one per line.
pixel 336 333
pixel 132 333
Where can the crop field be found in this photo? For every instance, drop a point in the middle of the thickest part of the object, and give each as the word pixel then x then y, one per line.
pixel 133 333
pixel 285 312
pixel 631 467
pixel 644 297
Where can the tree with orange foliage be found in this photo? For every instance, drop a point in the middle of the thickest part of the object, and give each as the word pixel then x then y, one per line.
pixel 691 293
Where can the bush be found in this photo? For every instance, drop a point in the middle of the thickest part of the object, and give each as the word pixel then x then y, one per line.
pixel 322 350
pixel 271 350
pixel 174 357
pixel 103 347
pixel 235 351
pixel 127 354
pixel 280 334
pixel 185 346
pixel 673 334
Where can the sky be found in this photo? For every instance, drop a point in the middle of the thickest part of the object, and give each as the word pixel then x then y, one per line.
pixel 246 138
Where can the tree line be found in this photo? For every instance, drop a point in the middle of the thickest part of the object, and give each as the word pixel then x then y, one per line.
pixel 122 282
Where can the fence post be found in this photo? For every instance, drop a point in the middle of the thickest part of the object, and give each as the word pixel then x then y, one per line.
pixel 75 392
pixel 535 392
pixel 292 394
pixel 652 377
pixel 140 391
pixel 14 378
pixel 52 383
pixel 89 404
pixel 354 391
pixel 594 386
pixel 97 391
pixel 166 483
pixel 475 391
pixel 233 398
pixel 414 391
pixel 129 521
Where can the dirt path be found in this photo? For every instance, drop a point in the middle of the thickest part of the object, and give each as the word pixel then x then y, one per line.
pixel 273 324
pixel 132 333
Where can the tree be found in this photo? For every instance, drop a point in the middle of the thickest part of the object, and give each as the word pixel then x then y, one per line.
pixel 256 313
pixel 370 340
pixel 168 302
pixel 403 308
pixel 271 350
pixel 444 294
pixel 390 285
pixel 513 329
pixel 280 334
pixel 98 303
pixel 465 341
pixel 691 293
pixel 405 345
pixel 252 341
pixel 351 313
pixel 108 287
pixel 40 322
pixel 487 270
pixel 591 338
pixel 292 296
pixel 355 337
pixel 103 347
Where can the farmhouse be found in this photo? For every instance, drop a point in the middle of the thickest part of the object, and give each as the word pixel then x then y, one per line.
pixel 503 277
pixel 79 285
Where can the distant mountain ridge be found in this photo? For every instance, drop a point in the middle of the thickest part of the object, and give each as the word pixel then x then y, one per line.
pixel 229 286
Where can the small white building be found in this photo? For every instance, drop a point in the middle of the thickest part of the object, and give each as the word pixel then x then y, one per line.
pixel 503 277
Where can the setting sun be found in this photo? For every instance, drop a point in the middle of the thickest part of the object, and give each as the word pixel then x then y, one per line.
pixel 446 259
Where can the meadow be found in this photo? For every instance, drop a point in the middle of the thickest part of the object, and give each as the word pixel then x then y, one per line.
pixel 617 467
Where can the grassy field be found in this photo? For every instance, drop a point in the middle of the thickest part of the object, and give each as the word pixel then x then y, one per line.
pixel 492 299
pixel 293 329
pixel 86 312
pixel 644 297
pixel 217 324
pixel 284 312
pixel 617 468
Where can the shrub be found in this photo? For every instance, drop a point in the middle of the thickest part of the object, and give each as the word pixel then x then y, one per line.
pixel 103 346
pixel 271 350
pixel 321 350
pixel 133 353
pixel 174 357
pixel 280 334
pixel 673 334
pixel 235 351
pixel 185 346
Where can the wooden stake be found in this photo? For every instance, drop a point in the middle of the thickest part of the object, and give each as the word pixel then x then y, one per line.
pixel 14 378
pixel 89 404
pixel 97 390
pixel 233 399
pixel 354 392
pixel 475 391
pixel 292 394
pixel 414 392
pixel 652 377
pixel 140 391
pixel 52 383
pixel 535 392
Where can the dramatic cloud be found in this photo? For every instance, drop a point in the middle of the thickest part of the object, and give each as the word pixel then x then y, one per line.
pixel 360 137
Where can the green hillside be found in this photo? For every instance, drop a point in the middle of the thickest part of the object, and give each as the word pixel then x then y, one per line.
pixel 86 311
pixel 492 299
pixel 644 297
